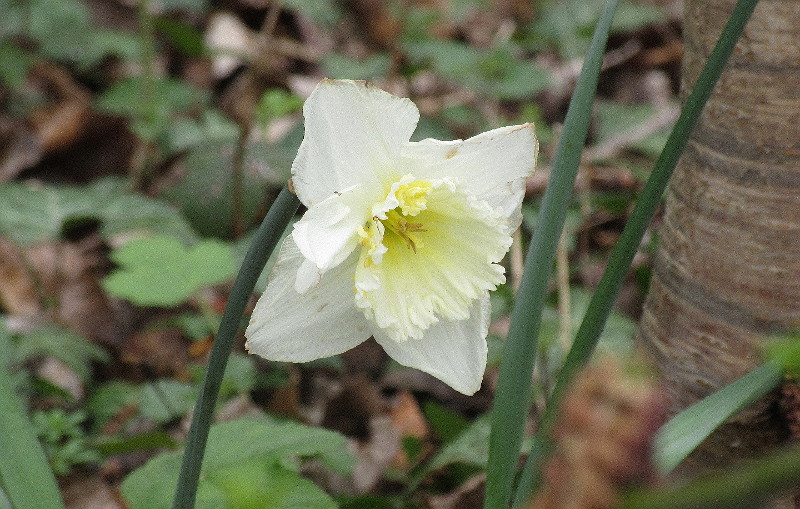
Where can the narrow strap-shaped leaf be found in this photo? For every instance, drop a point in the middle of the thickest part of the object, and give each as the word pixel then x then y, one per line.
pixel 684 432
pixel 514 385
pixel 264 242
pixel 746 485
pixel 623 253
pixel 25 474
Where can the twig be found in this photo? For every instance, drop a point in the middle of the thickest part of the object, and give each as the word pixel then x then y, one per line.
pixel 564 304
pixel 610 148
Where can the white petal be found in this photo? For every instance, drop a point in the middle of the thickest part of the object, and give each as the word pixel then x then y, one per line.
pixel 453 352
pixel 492 166
pixel 287 326
pixel 326 234
pixel 353 135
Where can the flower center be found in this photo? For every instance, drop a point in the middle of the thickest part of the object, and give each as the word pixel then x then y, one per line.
pixel 428 251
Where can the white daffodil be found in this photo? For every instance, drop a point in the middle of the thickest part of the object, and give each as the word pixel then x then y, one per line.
pixel 402 240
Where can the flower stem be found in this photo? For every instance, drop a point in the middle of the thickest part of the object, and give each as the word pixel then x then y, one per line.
pixel 623 253
pixel 264 242
pixel 514 385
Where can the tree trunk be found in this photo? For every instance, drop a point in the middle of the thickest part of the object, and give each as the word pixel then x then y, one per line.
pixel 727 272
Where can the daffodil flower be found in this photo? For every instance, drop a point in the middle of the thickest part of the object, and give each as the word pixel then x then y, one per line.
pixel 402 241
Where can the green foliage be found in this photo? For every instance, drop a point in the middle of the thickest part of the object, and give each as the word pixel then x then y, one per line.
pixel 447 424
pixel 51 340
pixel 164 400
pixel 26 481
pixel 109 399
pixel 188 133
pixel 567 25
pixel 250 464
pixel 148 441
pixel 31 212
pixel 208 176
pixel 686 430
pixel 64 439
pixel 494 72
pixel 63 31
pixel 338 66
pixel 616 118
pixel 325 12
pixel 160 271
pixel 151 113
pixel 240 375
pixel 785 351
pixel 616 337
pixel 14 65
pixel 275 103
pixel 183 37
pixel 471 447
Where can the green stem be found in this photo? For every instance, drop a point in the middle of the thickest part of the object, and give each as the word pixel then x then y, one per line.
pixel 264 242
pixel 147 113
pixel 514 385
pixel 623 253
pixel 745 485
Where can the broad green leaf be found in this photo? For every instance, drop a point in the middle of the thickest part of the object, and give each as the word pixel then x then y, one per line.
pixel 497 72
pixel 231 442
pixel 205 193
pixel 187 133
pixel 160 271
pixel 170 95
pixel 152 105
pixel 257 484
pixel 184 37
pixel 447 424
pixel 324 12
pixel 245 468
pixel 567 25
pixel 72 349
pixel 684 432
pixel 615 119
pixel 471 447
pixel 31 212
pixel 152 486
pixel 14 65
pixel 61 27
pixel 109 399
pixel 164 400
pixel 25 476
pixel 113 445
pixel 275 103
pixel 338 66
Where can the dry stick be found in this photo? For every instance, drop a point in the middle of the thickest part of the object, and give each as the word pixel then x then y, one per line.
pixel 564 304
pixel 517 260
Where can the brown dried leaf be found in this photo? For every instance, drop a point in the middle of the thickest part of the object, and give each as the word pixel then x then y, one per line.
pixel 603 436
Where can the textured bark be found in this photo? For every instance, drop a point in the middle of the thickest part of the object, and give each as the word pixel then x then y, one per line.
pixel 728 268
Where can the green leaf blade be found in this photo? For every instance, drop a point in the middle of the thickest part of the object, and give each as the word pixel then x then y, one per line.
pixel 686 430
pixel 25 475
